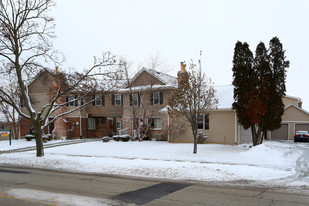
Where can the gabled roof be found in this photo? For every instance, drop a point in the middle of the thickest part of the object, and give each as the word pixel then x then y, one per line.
pixel 293 105
pixel 166 79
pixel 225 95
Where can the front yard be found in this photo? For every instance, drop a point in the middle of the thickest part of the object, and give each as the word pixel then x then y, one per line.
pixel 283 164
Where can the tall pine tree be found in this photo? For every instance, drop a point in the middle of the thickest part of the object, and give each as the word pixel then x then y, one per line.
pixel 259 87
pixel 260 105
pixel 242 73
pixel 278 65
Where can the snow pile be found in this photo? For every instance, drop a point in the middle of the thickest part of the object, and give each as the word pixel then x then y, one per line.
pixel 272 163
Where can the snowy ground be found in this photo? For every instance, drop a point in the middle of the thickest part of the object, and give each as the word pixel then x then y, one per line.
pixel 272 164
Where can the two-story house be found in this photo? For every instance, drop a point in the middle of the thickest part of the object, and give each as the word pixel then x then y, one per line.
pixel 142 98
pixel 145 99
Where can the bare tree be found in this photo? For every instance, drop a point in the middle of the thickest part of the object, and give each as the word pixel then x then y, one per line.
pixel 10 83
pixel 194 96
pixel 141 108
pixel 26 31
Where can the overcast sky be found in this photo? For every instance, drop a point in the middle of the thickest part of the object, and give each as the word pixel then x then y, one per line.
pixel 178 29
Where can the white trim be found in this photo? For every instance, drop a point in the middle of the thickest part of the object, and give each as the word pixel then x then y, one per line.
pixel 235 128
pixel 289 131
pixel 146 88
pixel 304 122
pixel 121 100
pixel 91 118
pixel 117 125
pixel 153 123
pixel 296 108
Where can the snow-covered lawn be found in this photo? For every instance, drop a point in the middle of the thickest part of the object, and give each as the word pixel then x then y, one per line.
pixel 271 164
pixel 22 143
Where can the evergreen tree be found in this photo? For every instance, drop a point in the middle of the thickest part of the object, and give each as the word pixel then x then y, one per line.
pixel 242 73
pixel 260 105
pixel 259 87
pixel 278 65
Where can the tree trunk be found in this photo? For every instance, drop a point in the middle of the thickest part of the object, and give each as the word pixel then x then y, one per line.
pixel 194 131
pixel 257 138
pixel 195 145
pixel 253 132
pixel 38 139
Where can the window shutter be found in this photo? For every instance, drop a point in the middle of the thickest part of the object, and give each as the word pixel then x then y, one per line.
pixel 93 100
pixel 76 100
pixel 139 99
pixel 67 99
pixel 121 99
pixel 131 99
pixel 151 98
pixel 161 97
pixel 103 100
pixel 113 99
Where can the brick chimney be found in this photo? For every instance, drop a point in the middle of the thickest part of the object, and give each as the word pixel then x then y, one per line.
pixel 182 73
pixel 57 69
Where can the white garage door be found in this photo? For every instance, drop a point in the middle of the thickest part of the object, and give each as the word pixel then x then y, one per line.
pixel 302 126
pixel 245 136
pixel 281 133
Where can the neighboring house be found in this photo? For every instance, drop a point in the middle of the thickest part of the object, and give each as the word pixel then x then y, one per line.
pixel 145 97
pixel 222 126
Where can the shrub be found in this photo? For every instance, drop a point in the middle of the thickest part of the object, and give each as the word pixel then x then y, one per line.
pixel 105 139
pixel 125 138
pixel 29 137
pixel 49 137
pixel 116 138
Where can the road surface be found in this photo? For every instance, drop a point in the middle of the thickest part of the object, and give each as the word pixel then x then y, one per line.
pixel 24 186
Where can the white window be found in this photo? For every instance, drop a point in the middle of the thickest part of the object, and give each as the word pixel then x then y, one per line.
pixel 135 99
pixel 203 122
pixel 156 98
pixel 70 100
pixel 155 123
pixel 118 99
pixel 91 123
pixel 98 100
pixel 118 124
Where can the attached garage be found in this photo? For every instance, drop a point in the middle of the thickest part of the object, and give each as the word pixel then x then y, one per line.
pixel 281 133
pixel 301 126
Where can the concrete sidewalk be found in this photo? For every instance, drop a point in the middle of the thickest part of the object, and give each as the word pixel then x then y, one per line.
pixel 51 145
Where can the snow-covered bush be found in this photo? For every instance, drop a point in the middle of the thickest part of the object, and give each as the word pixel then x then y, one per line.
pixel 105 139
pixel 29 137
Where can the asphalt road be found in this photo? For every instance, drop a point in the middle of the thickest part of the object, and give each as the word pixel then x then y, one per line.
pixel 20 186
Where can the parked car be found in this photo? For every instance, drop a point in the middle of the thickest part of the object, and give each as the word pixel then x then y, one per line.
pixel 301 136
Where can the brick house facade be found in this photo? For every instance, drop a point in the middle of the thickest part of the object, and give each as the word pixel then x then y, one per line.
pixel 147 92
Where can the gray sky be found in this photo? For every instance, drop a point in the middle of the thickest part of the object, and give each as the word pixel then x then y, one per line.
pixel 179 29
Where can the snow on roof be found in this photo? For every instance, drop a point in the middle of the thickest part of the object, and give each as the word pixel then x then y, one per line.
pixel 225 95
pixel 165 78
